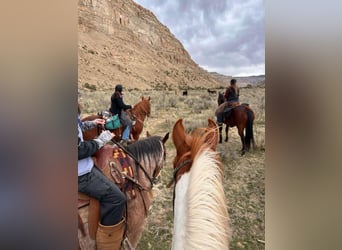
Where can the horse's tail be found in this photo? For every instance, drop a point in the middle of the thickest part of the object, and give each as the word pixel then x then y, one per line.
pixel 249 129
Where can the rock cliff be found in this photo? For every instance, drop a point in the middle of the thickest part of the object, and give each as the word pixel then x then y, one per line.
pixel 119 41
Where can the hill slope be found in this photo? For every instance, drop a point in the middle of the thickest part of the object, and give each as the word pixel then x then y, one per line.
pixel 120 41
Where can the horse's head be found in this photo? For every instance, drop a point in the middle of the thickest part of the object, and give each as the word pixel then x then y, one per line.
pixel 150 154
pixel 220 98
pixel 159 168
pixel 189 145
pixel 143 107
pixel 146 104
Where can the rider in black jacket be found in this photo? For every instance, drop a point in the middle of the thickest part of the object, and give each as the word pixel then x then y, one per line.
pixel 119 107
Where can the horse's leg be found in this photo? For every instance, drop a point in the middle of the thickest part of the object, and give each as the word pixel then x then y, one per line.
pixel 240 131
pixel 136 217
pixel 220 132
pixel 227 127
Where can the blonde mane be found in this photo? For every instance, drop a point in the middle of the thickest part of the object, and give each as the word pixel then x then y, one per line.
pixel 204 214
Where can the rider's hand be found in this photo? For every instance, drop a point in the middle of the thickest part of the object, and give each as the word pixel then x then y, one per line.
pixel 104 137
pixel 100 121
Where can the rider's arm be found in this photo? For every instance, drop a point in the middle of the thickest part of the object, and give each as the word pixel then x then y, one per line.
pixel 122 105
pixel 86 148
pixel 88 125
pixel 226 94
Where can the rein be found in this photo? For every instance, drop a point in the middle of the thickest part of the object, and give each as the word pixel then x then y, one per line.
pixel 151 179
pixel 141 188
pixel 175 171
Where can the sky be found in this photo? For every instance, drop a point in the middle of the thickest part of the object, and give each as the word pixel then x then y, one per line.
pixel 223 36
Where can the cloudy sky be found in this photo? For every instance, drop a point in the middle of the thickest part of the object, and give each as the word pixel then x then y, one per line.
pixel 224 36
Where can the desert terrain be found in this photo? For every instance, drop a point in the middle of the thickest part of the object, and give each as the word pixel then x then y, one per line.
pixel 244 176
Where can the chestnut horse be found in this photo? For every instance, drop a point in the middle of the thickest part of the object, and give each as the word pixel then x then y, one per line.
pixel 138 113
pixel 149 155
pixel 242 116
pixel 200 206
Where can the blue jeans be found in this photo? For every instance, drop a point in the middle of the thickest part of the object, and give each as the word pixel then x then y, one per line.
pixel 220 118
pixel 126 123
pixel 125 133
pixel 112 200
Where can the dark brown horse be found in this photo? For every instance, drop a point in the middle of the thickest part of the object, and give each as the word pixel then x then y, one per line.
pixel 211 91
pixel 138 113
pixel 241 116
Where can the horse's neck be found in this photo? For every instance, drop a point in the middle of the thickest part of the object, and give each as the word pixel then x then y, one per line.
pixel 139 113
pixel 201 216
pixel 140 110
pixel 149 167
pixel 180 207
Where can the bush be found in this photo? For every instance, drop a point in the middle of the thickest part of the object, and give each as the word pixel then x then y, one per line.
pixel 89 86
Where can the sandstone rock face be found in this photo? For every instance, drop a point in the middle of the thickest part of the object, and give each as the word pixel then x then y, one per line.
pixel 121 42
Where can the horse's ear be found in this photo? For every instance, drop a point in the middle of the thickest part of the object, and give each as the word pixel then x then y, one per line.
pixel 148 134
pixel 211 123
pixel 212 134
pixel 142 98
pixel 166 137
pixel 178 135
pixel 149 98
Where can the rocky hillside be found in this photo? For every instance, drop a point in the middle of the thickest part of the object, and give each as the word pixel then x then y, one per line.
pixel 242 81
pixel 121 42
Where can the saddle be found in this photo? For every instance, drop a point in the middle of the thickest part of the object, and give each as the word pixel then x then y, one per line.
pixel 119 170
pixel 227 110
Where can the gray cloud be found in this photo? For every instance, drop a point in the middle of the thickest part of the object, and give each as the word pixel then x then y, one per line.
pixel 223 36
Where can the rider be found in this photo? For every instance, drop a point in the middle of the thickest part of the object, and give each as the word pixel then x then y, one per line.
pixel 232 93
pixel 119 107
pixel 92 182
pixel 232 99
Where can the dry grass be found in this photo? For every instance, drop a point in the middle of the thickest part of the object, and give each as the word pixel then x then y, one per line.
pixel 244 176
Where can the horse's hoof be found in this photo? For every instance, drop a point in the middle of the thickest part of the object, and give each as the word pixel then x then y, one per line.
pixel 226 140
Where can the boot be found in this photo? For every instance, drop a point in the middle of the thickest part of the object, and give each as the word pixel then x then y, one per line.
pixel 110 237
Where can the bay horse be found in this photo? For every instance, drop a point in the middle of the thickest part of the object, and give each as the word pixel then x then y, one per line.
pixel 149 155
pixel 139 112
pixel 200 206
pixel 241 116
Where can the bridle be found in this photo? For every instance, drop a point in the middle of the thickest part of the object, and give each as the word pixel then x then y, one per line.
pixel 152 179
pixel 143 112
pixel 180 166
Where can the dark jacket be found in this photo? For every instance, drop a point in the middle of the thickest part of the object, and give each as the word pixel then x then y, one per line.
pixel 117 104
pixel 85 148
pixel 230 95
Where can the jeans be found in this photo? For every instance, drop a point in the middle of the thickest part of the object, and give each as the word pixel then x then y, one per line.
pixel 112 200
pixel 125 133
pixel 220 118
pixel 126 123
